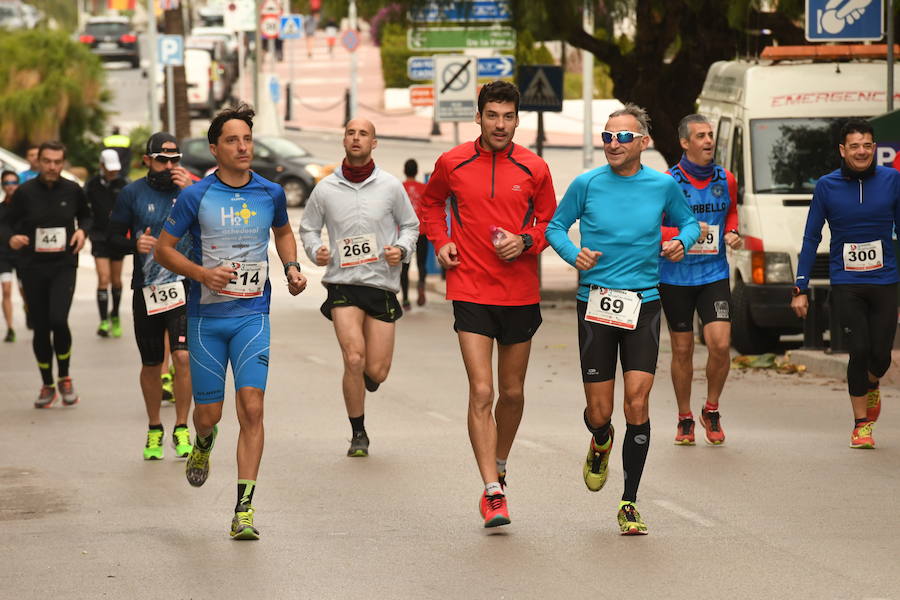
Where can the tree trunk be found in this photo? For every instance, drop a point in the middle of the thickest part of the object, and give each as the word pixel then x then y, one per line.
pixel 174 24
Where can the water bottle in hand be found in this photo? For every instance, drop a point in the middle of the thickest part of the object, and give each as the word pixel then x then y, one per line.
pixel 497 235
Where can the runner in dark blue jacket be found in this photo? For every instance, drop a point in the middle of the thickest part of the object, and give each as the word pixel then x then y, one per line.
pixel 861 202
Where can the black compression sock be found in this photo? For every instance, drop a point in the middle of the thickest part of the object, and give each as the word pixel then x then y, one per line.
pixel 156 427
pixel 634 455
pixel 357 423
pixel 245 489
pixel 117 298
pixel 103 304
pixel 601 434
pixel 858 422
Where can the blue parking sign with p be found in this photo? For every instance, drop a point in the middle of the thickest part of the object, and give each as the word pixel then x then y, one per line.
pixel 170 50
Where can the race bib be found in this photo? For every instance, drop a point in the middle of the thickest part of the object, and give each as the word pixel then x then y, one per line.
pixel 358 250
pixel 163 297
pixel 50 239
pixel 707 244
pixel 249 281
pixel 619 308
pixel 866 256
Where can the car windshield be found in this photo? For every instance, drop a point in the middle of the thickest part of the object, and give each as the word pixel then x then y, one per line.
pixel 8 12
pixel 789 155
pixel 100 29
pixel 284 148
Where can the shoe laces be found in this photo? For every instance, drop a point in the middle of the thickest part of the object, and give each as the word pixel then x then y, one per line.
pixel 864 430
pixel 713 418
pixel 686 425
pixel 47 392
pixel 182 436
pixel 630 513
pixel 154 438
pixel 495 501
pixel 245 517
pixel 65 386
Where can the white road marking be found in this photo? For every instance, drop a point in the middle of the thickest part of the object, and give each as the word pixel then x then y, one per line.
pixel 438 416
pixel 684 513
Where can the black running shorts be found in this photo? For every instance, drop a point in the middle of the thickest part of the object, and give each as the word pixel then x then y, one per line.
pixel 375 302
pixel 712 301
pixel 150 330
pixel 101 248
pixel 638 348
pixel 506 324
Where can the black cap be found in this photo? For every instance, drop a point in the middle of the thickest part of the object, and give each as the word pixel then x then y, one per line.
pixel 156 141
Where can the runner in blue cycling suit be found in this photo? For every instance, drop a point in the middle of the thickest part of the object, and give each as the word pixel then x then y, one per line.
pixel 229 214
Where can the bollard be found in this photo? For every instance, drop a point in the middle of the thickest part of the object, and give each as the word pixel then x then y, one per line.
pixel 346 107
pixel 287 101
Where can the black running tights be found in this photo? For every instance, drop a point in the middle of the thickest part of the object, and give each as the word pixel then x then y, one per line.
pixel 48 293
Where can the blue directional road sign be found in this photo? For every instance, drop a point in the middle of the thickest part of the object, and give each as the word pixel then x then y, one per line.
pixel 541 88
pixel 170 50
pixel 421 68
pixel 844 20
pixel 462 10
pixel 291 27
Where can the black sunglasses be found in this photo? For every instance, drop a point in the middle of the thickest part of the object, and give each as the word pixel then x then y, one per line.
pixel 10 182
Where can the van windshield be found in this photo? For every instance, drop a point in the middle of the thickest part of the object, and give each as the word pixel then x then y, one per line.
pixel 789 155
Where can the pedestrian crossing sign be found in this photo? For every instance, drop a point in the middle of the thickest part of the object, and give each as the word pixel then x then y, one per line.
pixel 541 88
pixel 291 27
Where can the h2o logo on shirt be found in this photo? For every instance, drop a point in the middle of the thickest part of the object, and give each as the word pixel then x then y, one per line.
pixel 236 217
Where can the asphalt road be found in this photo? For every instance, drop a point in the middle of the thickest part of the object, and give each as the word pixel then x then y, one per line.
pixel 783 510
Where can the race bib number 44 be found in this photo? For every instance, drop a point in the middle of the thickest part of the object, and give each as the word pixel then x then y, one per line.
pixel 249 280
pixel 707 244
pixel 163 297
pixel 50 239
pixel 865 256
pixel 358 250
pixel 619 308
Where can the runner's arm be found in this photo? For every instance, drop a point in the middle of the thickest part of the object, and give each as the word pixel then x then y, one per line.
pixel 170 258
pixel 119 225
pixel 568 211
pixel 434 206
pixel 83 211
pixel 731 219
pixel 544 207
pixel 812 235
pixel 311 225
pixel 679 212
pixel 285 244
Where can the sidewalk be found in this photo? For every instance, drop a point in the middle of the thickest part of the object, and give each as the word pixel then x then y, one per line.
pixel 822 364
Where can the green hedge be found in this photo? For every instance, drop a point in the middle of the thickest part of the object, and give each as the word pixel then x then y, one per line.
pixel 394 54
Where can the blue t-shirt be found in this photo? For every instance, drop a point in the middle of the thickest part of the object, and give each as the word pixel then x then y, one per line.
pixel 710 204
pixel 26 175
pixel 621 217
pixel 139 206
pixel 228 224
pixel 857 211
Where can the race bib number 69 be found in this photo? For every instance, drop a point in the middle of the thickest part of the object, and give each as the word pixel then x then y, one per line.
pixel 618 308
pixel 707 244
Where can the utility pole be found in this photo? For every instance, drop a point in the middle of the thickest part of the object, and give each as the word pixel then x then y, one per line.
pixel 890 55
pixel 181 128
pixel 587 91
pixel 256 54
pixel 151 72
pixel 351 13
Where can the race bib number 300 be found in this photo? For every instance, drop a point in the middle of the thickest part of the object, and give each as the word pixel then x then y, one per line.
pixel 358 250
pixel 50 239
pixel 865 256
pixel 249 280
pixel 707 244
pixel 619 308
pixel 163 297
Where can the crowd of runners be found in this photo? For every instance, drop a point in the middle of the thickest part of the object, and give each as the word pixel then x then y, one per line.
pixel 651 243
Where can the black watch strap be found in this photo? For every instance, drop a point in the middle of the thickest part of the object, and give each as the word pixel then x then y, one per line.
pixel 403 253
pixel 291 264
pixel 527 240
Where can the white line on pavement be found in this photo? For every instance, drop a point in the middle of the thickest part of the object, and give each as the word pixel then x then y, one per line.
pixel 684 513
pixel 438 416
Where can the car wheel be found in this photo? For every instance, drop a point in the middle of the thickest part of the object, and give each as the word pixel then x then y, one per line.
pixel 295 191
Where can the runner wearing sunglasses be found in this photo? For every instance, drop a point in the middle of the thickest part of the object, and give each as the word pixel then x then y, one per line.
pixel 699 283
pixel 618 301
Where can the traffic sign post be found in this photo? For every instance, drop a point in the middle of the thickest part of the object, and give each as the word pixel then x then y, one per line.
pixel 421 68
pixel 170 50
pixel 541 89
pixel 853 21
pixel 461 38
pixel 462 10
pixel 269 26
pixel 421 95
pixel 291 27
pixel 350 40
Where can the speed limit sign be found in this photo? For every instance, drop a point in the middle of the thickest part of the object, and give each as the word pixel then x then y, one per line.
pixel 269 26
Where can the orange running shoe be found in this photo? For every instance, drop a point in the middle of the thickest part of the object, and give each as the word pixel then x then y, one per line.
pixel 494 510
pixel 685 433
pixel 862 436
pixel 714 433
pixel 873 404
pixel 46 398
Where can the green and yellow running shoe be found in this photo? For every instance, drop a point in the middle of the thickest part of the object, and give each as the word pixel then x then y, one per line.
pixel 168 389
pixel 242 524
pixel 154 448
pixel 630 522
pixel 196 469
pixel 103 329
pixel 596 463
pixel 115 327
pixel 181 440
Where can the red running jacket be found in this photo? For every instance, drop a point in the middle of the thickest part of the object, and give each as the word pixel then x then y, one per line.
pixel 511 189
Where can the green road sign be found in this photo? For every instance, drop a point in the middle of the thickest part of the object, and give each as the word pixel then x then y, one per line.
pixel 461 38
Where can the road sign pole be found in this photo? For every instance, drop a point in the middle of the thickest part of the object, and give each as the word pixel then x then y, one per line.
pixel 587 92
pixel 256 54
pixel 890 55
pixel 456 133
pixel 351 13
pixel 151 75
pixel 540 134
pixel 170 98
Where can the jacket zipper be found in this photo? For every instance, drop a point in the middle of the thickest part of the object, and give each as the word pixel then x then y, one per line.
pixel 860 191
pixel 493 167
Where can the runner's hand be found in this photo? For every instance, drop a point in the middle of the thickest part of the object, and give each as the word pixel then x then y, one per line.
pixel 673 250
pixel 511 246
pixel 181 177
pixel 296 281
pixel 704 228
pixel 218 277
pixel 586 259
pixel 19 241
pixel 734 241
pixel 77 241
pixel 800 305
pixel 392 255
pixel 323 256
pixel 447 256
pixel 145 242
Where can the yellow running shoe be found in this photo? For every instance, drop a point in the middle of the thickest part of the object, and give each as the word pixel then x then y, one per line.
pixel 242 524
pixel 630 522
pixel 196 469
pixel 596 463
pixel 181 440
pixel 154 448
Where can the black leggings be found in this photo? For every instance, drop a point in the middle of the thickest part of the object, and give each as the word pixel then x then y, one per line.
pixel 868 315
pixel 48 294
pixel 421 257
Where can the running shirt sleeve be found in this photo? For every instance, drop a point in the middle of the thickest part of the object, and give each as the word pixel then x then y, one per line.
pixel 668 232
pixel 311 224
pixel 82 210
pixel 731 219
pixel 569 210
pixel 120 220
pixel 679 212
pixel 184 213
pixel 407 221
pixel 280 217
pixel 812 235
pixel 544 207
pixel 434 200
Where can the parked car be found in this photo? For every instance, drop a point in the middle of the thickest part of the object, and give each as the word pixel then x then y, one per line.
pixel 113 39
pixel 275 158
pixel 13 16
pixel 221 33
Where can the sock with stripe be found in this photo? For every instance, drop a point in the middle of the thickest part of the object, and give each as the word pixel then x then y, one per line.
pixel 245 489
pixel 103 304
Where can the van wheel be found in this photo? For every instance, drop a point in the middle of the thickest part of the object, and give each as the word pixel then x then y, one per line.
pixel 746 336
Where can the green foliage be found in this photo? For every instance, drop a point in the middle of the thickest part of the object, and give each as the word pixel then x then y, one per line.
pixel 139 136
pixel 394 54
pixel 63 12
pixel 51 87
pixel 603 83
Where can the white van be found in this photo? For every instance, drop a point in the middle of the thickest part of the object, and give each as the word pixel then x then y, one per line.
pixel 776 122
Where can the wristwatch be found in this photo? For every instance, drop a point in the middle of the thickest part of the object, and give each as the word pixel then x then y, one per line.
pixel 527 240
pixel 402 253
pixel 291 264
pixel 798 292
pixel 735 232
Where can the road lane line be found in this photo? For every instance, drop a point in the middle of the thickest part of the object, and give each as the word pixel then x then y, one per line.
pixel 438 416
pixel 684 513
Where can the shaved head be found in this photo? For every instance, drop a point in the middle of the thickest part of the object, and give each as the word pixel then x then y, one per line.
pixel 360 123
pixel 359 141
